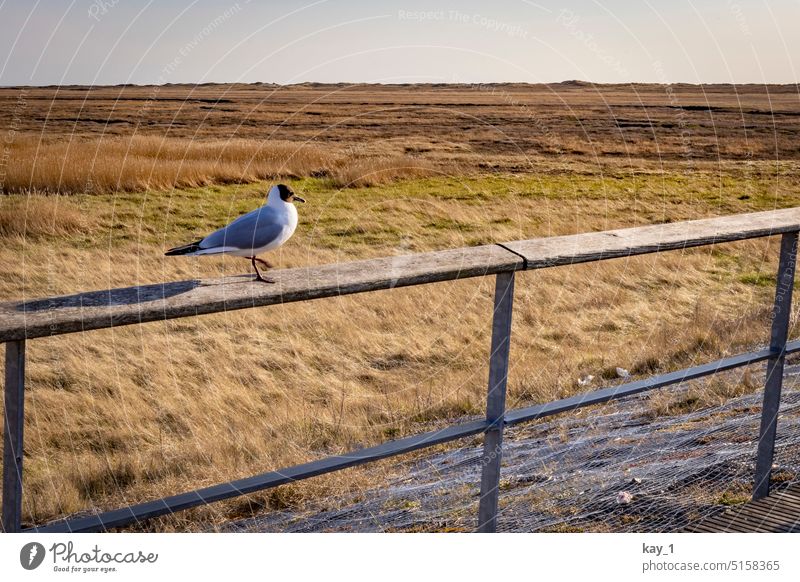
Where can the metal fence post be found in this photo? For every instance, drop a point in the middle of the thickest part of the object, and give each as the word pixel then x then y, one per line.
pixel 774 382
pixel 496 401
pixel 14 418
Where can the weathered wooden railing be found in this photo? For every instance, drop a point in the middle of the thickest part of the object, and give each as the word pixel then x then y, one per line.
pixel 25 320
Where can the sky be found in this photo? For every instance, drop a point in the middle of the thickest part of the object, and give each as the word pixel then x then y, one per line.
pixel 105 42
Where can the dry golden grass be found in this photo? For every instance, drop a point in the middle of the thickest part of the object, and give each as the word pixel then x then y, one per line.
pixel 378 171
pixel 39 216
pixel 139 163
pixel 129 414
pixel 713 391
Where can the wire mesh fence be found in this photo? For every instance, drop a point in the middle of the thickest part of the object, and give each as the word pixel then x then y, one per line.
pixel 648 463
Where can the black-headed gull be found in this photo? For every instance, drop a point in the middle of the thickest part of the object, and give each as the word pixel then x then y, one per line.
pixel 263 229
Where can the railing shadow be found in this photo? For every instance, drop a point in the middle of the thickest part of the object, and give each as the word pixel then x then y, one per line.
pixel 111 297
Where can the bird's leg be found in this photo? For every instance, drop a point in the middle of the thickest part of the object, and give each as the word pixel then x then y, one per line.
pixel 258 273
pixel 263 262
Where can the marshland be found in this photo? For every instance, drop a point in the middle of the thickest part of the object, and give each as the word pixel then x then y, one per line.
pixel 97 182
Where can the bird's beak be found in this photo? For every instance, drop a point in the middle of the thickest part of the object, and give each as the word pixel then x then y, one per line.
pixel 297 198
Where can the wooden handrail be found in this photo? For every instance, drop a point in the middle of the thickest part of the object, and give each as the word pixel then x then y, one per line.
pixel 596 246
pixel 115 307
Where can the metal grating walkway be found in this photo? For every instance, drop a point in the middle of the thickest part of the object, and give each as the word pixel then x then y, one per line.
pixel 780 512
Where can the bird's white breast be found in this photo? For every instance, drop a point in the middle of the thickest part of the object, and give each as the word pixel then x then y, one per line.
pixel 287 216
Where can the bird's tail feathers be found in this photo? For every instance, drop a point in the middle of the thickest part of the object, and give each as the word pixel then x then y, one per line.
pixel 185 249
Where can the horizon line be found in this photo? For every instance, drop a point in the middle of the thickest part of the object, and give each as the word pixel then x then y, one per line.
pixel 567 82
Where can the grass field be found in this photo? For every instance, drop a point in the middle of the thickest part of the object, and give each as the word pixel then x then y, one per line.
pixel 98 183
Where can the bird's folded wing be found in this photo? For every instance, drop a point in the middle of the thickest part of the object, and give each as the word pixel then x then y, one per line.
pixel 254 230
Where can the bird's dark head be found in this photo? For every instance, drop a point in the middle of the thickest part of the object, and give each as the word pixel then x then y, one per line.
pixel 287 194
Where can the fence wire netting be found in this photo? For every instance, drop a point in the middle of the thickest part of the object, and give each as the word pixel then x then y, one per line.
pixel 632 465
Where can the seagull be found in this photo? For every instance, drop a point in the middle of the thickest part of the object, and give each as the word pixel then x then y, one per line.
pixel 263 229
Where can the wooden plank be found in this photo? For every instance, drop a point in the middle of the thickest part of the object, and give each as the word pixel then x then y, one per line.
pixel 709 524
pixel 13 424
pixel 787 499
pixel 790 492
pixel 773 517
pixel 116 307
pixel 745 523
pixel 728 527
pixel 782 518
pixel 167 505
pixel 733 522
pixel 779 333
pixel 718 525
pixel 788 502
pixel 790 515
pixel 595 246
pixel 779 512
pixel 775 502
pixel 496 402
pixel 757 522
pixel 703 527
